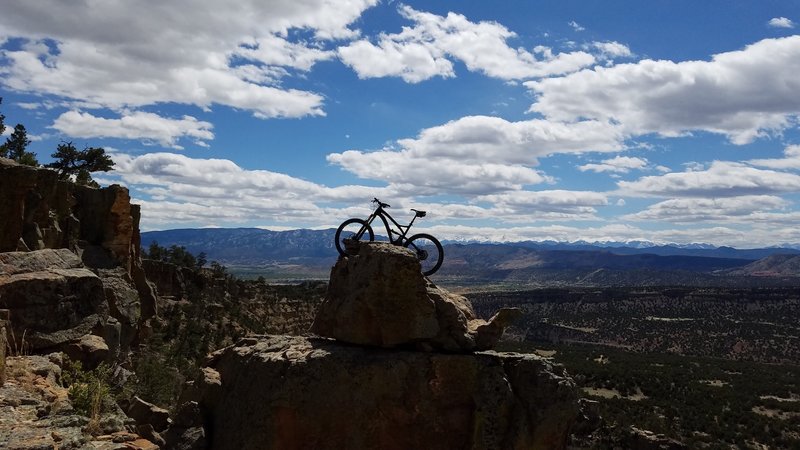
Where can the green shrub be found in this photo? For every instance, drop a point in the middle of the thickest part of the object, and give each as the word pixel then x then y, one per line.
pixel 90 391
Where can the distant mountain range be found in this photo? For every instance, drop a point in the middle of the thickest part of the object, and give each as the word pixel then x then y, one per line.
pixel 525 262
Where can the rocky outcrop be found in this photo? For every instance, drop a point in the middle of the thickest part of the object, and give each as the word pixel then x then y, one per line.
pixel 298 392
pixel 40 211
pixel 36 413
pixel 379 297
pixel 69 262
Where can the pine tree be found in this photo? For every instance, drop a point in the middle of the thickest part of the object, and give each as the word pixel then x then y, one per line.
pixel 16 147
pixel 2 122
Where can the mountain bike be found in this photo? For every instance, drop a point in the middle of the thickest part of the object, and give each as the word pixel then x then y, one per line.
pixel 427 248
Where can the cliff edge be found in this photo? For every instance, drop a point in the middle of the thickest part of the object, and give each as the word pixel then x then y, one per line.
pixel 69 262
pixel 407 376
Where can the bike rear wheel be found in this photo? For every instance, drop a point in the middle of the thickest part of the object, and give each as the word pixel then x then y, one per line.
pixel 428 250
pixel 353 229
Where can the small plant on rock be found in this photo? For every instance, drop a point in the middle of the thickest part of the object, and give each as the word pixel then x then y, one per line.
pixel 89 390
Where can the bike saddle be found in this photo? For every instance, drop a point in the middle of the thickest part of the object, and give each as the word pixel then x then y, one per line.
pixel 419 213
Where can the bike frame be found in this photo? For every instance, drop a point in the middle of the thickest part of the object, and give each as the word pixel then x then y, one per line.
pixel 380 212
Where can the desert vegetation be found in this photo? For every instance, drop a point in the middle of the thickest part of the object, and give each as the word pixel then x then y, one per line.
pixel 757 324
pixel 704 402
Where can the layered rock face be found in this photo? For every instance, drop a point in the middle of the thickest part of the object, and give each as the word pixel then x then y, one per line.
pixel 101 225
pixel 52 297
pixel 286 392
pixel 69 261
pixel 301 392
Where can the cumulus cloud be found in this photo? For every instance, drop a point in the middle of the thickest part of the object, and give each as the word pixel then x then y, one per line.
pixel 427 49
pixel 547 204
pixel 135 125
pixel 722 179
pixel 437 176
pixel 612 49
pixel 687 210
pixel 790 161
pixel 110 55
pixel 477 154
pixel 618 164
pixel 198 192
pixel 204 177
pixel 780 22
pixel 174 188
pixel 742 94
pixel 608 52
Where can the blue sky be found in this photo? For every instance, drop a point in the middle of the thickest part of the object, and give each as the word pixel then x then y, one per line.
pixel 666 121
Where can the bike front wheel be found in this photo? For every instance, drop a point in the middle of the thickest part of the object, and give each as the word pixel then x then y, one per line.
pixel 428 250
pixel 353 229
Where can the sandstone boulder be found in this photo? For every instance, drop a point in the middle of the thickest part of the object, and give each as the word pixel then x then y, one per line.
pixel 379 297
pixel 52 298
pixel 298 392
pixel 90 350
pixel 147 413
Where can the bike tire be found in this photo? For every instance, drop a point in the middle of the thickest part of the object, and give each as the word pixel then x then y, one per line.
pixel 430 264
pixel 347 231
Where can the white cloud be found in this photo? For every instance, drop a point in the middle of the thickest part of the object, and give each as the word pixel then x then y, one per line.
pixel 612 49
pixel 135 125
pixel 203 186
pixel 722 179
pixel 549 204
pixel 742 94
pixel 425 50
pixel 109 54
pixel 477 154
pixel 790 161
pixel 575 25
pixel 434 176
pixel 173 188
pixel 687 210
pixel 780 22
pixel 413 62
pixel 618 164
pixel 204 178
pixel 29 105
pixel 480 139
pixel 274 50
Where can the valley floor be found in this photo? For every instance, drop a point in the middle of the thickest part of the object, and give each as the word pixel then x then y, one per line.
pixel 703 402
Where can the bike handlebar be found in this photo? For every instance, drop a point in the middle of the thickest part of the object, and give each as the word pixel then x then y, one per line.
pixel 382 205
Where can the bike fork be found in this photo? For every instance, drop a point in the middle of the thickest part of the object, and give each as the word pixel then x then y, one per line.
pixel 364 228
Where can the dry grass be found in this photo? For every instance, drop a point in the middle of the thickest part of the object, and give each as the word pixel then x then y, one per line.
pixel 18 348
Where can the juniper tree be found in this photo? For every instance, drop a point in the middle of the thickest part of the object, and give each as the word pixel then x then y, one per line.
pixel 69 162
